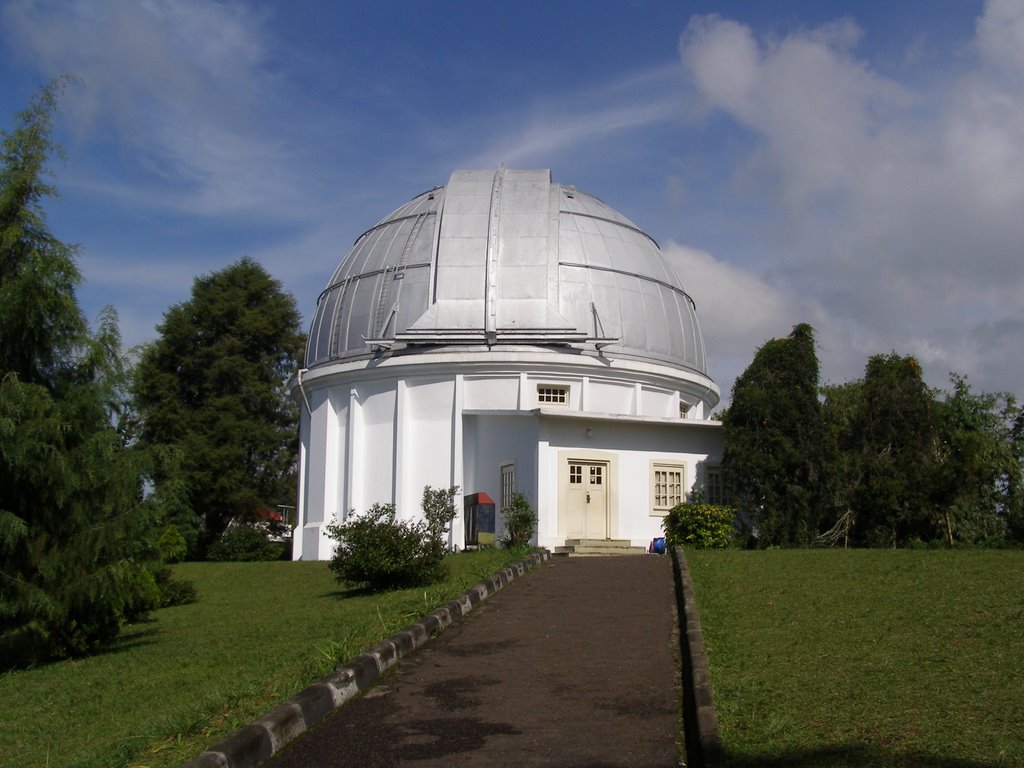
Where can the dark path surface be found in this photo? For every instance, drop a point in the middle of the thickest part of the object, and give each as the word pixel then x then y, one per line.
pixel 573 665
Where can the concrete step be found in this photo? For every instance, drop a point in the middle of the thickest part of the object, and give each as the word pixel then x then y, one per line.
pixel 613 543
pixel 598 548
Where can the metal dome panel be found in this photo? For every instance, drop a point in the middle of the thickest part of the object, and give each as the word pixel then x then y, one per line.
pixel 506 256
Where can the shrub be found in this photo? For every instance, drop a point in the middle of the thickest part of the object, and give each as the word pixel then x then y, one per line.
pixel 244 543
pixel 172 546
pixel 520 523
pixel 438 506
pixel 173 591
pixel 380 552
pixel 143 592
pixel 700 526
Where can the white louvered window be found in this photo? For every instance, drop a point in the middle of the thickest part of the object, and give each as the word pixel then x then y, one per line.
pixel 667 484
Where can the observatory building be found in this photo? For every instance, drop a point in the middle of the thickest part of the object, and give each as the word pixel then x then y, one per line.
pixel 506 333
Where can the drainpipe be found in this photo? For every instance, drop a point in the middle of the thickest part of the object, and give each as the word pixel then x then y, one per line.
pixel 302 389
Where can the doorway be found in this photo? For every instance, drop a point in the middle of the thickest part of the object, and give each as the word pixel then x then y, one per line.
pixel 586 499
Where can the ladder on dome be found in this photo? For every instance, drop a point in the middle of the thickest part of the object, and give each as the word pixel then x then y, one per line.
pixel 383 314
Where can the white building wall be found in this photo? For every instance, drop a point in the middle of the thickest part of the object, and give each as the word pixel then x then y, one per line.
pixel 631 447
pixel 374 447
pixel 321 477
pixel 489 442
pixel 492 393
pixel 380 435
pixel 427 442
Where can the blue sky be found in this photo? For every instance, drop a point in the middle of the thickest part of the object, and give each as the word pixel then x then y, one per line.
pixel 858 166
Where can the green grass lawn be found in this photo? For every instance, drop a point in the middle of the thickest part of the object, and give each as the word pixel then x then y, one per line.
pixel 174 685
pixel 865 657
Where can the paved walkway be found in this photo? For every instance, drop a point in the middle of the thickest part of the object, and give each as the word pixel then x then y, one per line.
pixel 571 665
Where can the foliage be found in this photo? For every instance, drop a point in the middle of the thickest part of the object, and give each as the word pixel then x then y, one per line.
pixel 843 474
pixel 699 526
pixel 173 591
pixel 244 543
pixel 884 461
pixel 912 466
pixel 438 505
pixel 213 386
pixel 74 527
pixel 383 553
pixel 977 463
pixel 171 687
pixel 171 545
pixel 1015 481
pixel 773 439
pixel 42 327
pixel 895 430
pixel 376 550
pixel 520 523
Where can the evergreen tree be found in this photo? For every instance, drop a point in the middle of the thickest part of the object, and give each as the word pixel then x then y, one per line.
pixel 895 429
pixel 773 437
pixel 214 387
pixel 73 525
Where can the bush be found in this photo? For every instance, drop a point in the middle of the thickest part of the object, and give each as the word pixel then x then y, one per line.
pixel 171 546
pixel 380 552
pixel 173 591
pixel 700 526
pixel 143 593
pixel 244 543
pixel 520 523
pixel 438 506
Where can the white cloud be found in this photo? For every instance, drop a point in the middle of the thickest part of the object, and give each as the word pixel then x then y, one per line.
pixel 897 209
pixel 1000 34
pixel 739 311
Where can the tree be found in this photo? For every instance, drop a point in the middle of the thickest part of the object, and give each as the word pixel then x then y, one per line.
pixel 214 387
pixel 895 429
pixel 976 464
pixel 842 468
pixel 773 437
pixel 74 527
pixel 1015 482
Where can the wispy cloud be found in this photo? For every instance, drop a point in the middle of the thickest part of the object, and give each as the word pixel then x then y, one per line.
pixel 185 91
pixel 551 127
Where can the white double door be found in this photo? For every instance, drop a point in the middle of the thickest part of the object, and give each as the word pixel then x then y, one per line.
pixel 586 507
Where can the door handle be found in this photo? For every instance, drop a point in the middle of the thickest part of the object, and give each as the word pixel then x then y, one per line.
pixel 588 497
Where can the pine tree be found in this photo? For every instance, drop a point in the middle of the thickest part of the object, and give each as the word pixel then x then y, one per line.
pixel 73 525
pixel 896 433
pixel 773 435
pixel 214 387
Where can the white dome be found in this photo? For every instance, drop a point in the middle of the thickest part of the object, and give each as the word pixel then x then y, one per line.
pixel 506 257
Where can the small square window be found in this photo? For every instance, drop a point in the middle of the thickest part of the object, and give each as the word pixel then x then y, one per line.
pixel 555 395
